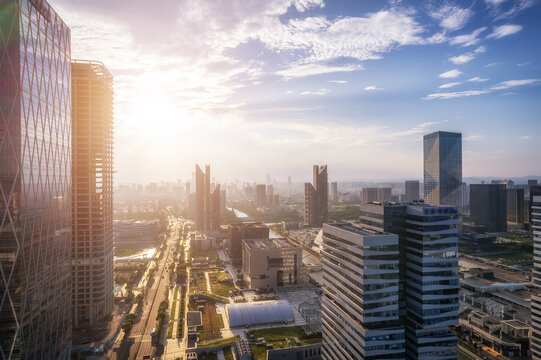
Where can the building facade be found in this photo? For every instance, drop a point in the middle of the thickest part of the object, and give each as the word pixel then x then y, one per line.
pixel 92 192
pixel 316 198
pixel 238 232
pixel 206 216
pixel 260 195
pixel 360 303
pixel 271 263
pixel 334 192
pixel 443 168
pixel 535 341
pixel 35 182
pixel 515 206
pixel 412 190
pixel 488 206
pixel 370 194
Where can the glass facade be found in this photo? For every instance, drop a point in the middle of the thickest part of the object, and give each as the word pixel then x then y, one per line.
pixel 535 342
pixel 443 168
pixel 35 182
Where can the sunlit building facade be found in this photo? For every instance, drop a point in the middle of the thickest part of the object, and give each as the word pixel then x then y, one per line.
pixel 443 168
pixel 92 190
pixel 35 182
pixel 316 198
pixel 535 341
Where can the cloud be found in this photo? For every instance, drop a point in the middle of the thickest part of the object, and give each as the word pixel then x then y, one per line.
pixel 448 85
pixel 477 79
pixel 501 86
pixel 450 74
pixel 464 58
pixel 320 92
pixel 338 81
pixel 467 39
pixel 417 129
pixel 491 65
pixel 297 71
pixel 474 137
pixel 525 137
pixel 504 30
pixel 452 17
pixel 502 9
pixel 372 88
pixel 512 83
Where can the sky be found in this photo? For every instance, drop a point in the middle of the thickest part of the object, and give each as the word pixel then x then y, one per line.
pixel 258 87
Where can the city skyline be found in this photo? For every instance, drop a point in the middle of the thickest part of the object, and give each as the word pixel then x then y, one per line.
pixel 235 85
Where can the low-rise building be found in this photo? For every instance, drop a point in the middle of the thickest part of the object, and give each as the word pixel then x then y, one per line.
pixel 269 263
pixel 238 232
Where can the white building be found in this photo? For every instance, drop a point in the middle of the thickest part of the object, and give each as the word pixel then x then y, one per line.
pixel 360 300
pixel 535 341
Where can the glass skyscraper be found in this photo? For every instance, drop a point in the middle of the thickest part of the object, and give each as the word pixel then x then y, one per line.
pixel 535 341
pixel 35 182
pixel 443 168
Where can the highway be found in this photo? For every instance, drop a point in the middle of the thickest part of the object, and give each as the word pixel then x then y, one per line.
pixel 139 343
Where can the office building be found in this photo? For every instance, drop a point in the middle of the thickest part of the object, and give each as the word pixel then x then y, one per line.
pixel 92 192
pixel 443 168
pixel 535 190
pixel 215 208
pixel 371 194
pixel 260 195
pixel 428 263
pixel 360 294
pixel 334 192
pixel 535 341
pixel 35 182
pixel 205 213
pixel 316 198
pixel 488 206
pixel 270 263
pixel 515 206
pixel 238 232
pixel 412 190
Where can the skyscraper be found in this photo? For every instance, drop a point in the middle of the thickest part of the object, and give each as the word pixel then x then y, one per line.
pixel 261 195
pixel 535 341
pixel 488 206
pixel 515 206
pixel 334 192
pixel 360 294
pixel 35 182
pixel 381 194
pixel 215 208
pixel 202 199
pixel 92 192
pixel 443 168
pixel 316 198
pixel 412 190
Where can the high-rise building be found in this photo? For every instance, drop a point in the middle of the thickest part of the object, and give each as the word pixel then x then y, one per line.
pixel 223 197
pixel 188 192
pixel 242 231
pixel 443 168
pixel 428 263
pixel 316 198
pixel 215 208
pixel 535 190
pixel 515 206
pixel 370 194
pixel 535 341
pixel 360 294
pixel 35 182
pixel 488 206
pixel 203 199
pixel 412 190
pixel 260 195
pixel 334 192
pixel 92 192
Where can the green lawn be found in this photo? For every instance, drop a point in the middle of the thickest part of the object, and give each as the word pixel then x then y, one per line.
pixel 275 335
pixel 230 340
pixel 522 255
pixel 219 288
pixel 211 356
pixel 228 354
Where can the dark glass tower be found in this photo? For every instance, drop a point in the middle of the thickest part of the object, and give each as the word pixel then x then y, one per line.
pixel 316 198
pixel 35 182
pixel 443 168
pixel 92 205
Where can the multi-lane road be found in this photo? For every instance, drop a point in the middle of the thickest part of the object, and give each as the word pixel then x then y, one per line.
pixel 139 343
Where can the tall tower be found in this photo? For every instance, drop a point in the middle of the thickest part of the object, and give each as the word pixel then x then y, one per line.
pixel 215 209
pixel 535 342
pixel 443 168
pixel 316 198
pixel 199 198
pixel 35 182
pixel 207 197
pixel 92 192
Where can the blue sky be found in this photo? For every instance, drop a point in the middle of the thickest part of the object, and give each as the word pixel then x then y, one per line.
pixel 255 87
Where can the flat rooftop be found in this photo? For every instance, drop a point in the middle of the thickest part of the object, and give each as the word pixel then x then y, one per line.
pixel 269 243
pixel 248 224
pixel 356 229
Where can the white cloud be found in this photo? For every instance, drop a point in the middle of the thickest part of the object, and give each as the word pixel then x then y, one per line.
pixel 290 92
pixel 467 57
pixel 297 71
pixel 448 85
pixel 491 65
pixel 320 92
pixel 525 137
pixel 502 9
pixel 504 30
pixel 512 83
pixel 372 88
pixel 338 81
pixel 474 137
pixel 417 129
pixel 467 39
pixel 452 17
pixel 457 94
pixel 450 74
pixel 477 79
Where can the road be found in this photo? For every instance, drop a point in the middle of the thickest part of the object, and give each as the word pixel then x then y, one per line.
pixel 139 344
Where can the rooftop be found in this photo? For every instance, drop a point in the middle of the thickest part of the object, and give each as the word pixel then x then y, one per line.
pixel 356 229
pixel 194 318
pixel 269 243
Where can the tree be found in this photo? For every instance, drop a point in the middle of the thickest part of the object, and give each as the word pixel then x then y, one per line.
pixel 128 323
